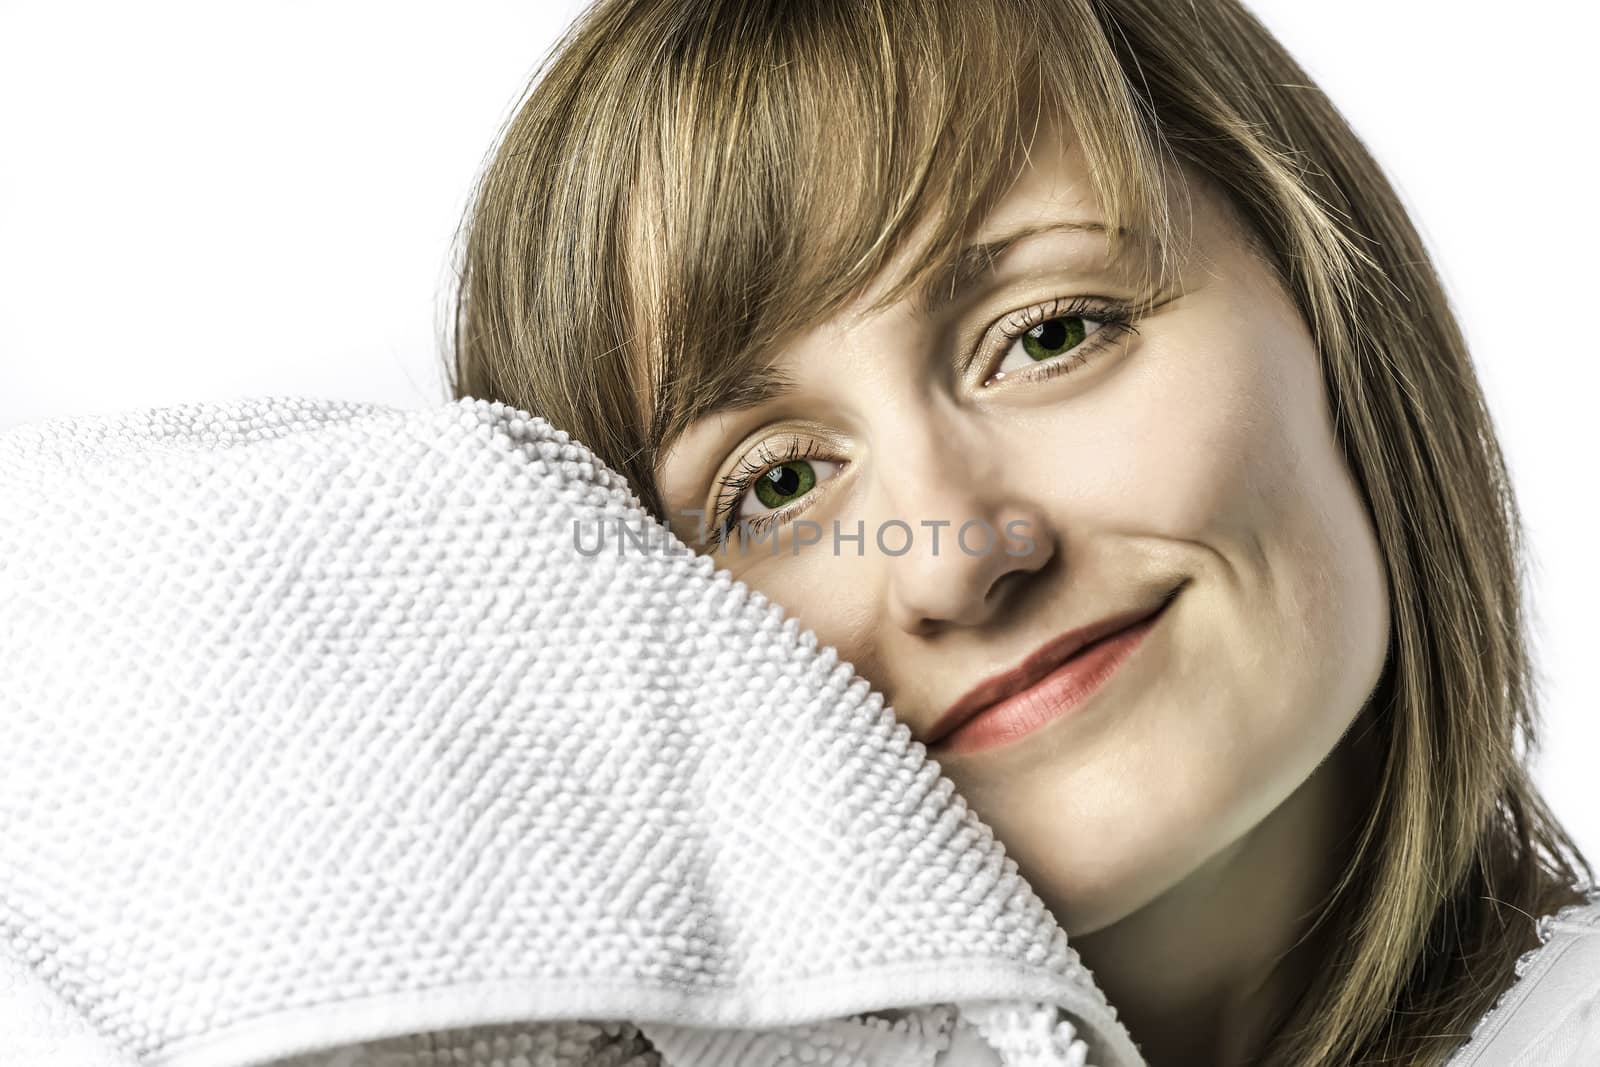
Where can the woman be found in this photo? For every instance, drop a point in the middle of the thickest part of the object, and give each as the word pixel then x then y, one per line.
pixel 1110 296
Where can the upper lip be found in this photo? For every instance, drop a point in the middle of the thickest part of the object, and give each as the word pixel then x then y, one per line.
pixel 1036 665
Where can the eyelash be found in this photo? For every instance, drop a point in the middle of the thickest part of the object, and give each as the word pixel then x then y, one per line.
pixel 1116 320
pixel 737 482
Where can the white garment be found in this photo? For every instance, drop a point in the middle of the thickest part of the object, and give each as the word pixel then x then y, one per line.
pixel 322 741
pixel 1550 1016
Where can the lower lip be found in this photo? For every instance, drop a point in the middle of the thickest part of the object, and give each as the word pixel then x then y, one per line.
pixel 1051 697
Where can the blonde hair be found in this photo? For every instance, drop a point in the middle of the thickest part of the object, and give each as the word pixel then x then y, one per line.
pixel 689 181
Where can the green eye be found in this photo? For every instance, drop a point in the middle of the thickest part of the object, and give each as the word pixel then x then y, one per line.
pixel 1054 336
pixel 783 483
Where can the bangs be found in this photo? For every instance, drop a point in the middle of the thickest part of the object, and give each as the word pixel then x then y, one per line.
pixel 788 151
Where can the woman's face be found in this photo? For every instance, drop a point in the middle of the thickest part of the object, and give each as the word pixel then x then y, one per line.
pixel 1195 455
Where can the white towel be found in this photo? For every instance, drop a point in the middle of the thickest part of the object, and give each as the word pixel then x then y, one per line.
pixel 323 740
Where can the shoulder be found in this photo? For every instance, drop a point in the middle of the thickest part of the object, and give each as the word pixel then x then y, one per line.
pixel 1550 1014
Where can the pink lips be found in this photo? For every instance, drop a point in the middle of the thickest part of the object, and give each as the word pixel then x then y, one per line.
pixel 1048 684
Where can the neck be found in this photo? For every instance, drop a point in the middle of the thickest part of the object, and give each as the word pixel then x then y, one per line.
pixel 1207 972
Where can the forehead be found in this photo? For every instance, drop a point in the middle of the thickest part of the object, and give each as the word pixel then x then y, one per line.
pixel 1052 193
pixel 1052 181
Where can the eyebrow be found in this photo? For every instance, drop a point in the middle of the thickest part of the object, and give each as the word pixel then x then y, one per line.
pixel 764 384
pixel 973 261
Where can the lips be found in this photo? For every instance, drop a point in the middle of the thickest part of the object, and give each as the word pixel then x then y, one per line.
pixel 1041 662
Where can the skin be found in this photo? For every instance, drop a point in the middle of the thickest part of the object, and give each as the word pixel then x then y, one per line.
pixel 1183 822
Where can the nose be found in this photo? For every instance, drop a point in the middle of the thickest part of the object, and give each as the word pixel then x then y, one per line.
pixel 974 537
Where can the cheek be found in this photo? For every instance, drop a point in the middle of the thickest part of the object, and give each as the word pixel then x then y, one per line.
pixel 1226 457
pixel 836 595
pixel 1226 465
pixel 1244 466
pixel 1205 448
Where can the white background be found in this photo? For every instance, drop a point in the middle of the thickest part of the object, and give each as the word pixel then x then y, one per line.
pixel 212 200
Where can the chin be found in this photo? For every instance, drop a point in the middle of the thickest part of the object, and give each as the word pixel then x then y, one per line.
pixel 1093 899
pixel 1091 878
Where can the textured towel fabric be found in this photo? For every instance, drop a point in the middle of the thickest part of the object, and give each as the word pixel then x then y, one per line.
pixel 325 740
